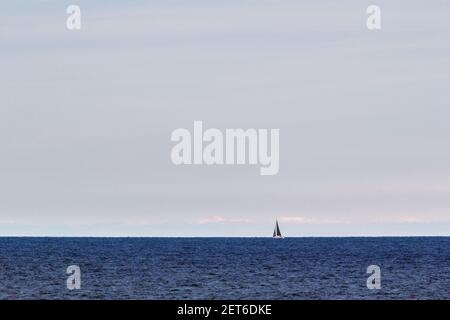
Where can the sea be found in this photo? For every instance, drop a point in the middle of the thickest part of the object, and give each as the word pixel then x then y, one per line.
pixel 225 268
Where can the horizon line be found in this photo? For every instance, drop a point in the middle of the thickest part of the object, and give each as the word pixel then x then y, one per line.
pixel 212 237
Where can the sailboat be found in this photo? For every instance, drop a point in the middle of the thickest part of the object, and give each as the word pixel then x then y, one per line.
pixel 277 232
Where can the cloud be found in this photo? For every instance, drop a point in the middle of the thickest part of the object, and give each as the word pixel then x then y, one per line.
pixel 413 219
pixel 220 219
pixel 304 220
pixel 300 220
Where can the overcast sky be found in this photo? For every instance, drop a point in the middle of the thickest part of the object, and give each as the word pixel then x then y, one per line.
pixel 86 117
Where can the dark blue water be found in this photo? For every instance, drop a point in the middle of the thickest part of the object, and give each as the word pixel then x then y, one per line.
pixel 225 268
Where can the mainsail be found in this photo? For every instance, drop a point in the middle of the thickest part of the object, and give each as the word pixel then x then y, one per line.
pixel 276 231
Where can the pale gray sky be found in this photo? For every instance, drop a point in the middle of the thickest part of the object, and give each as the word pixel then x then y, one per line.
pixel 86 117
